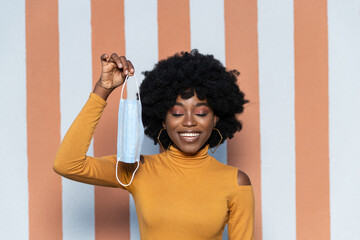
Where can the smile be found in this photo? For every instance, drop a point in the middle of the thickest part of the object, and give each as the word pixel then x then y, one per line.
pixel 189 137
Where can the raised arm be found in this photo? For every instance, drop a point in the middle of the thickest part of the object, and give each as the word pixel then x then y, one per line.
pixel 71 160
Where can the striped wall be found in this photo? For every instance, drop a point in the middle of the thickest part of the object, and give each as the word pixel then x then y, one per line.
pixel 299 63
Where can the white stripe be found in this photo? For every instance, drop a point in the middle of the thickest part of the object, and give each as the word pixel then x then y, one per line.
pixel 14 208
pixel 344 115
pixel 277 124
pixel 141 38
pixel 75 86
pixel 207 29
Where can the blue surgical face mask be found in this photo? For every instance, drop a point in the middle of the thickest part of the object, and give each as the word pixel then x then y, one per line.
pixel 130 131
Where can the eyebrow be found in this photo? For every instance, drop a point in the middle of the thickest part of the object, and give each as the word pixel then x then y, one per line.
pixel 197 104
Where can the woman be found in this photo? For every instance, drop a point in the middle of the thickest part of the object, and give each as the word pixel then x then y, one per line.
pixel 189 104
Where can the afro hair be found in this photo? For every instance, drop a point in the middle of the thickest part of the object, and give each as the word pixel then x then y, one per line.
pixel 185 74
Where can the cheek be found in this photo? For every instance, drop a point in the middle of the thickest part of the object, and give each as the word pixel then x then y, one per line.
pixel 209 122
pixel 208 125
pixel 170 121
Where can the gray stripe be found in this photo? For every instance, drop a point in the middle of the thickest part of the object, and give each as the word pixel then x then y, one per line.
pixel 14 208
pixel 207 26
pixel 75 86
pixel 277 118
pixel 344 115
pixel 141 37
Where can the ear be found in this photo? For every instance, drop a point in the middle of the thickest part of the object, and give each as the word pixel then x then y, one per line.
pixel 163 124
pixel 216 119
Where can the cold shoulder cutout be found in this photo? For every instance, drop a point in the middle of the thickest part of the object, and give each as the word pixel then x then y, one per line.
pixel 242 178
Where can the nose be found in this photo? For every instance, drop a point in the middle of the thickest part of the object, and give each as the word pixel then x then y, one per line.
pixel 189 120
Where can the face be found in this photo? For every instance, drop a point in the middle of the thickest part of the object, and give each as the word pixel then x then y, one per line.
pixel 189 123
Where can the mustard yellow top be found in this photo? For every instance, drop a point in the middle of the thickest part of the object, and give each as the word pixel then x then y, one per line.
pixel 177 196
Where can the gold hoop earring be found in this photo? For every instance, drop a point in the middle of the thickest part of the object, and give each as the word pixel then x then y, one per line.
pixel 158 139
pixel 221 138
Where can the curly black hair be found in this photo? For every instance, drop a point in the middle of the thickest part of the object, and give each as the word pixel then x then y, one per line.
pixel 184 74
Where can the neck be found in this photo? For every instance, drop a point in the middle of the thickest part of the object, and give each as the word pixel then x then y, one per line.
pixel 188 160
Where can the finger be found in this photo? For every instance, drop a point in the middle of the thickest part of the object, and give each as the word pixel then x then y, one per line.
pixel 131 68
pixel 125 65
pixel 104 58
pixel 115 58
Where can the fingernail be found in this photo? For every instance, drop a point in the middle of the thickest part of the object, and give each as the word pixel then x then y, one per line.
pixel 120 65
pixel 126 72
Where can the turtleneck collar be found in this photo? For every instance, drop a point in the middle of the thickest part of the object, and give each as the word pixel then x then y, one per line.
pixel 187 160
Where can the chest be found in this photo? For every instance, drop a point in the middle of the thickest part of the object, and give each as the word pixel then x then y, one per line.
pixel 181 202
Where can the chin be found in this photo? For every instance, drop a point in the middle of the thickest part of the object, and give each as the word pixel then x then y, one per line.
pixel 189 149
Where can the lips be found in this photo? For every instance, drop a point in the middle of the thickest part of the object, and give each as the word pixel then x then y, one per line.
pixel 189 136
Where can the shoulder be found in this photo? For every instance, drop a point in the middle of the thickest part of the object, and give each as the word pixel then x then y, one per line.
pixel 230 171
pixel 150 159
pixel 243 178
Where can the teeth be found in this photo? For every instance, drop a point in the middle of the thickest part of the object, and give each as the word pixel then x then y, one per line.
pixel 189 134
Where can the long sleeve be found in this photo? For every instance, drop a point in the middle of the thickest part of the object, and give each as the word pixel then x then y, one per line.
pixel 241 215
pixel 71 160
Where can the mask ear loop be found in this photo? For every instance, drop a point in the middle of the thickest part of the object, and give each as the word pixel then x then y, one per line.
pixel 132 177
pixel 117 162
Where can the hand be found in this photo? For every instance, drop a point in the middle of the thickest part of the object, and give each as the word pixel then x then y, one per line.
pixel 114 71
